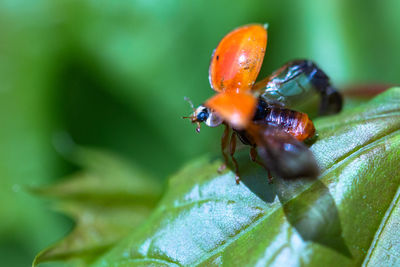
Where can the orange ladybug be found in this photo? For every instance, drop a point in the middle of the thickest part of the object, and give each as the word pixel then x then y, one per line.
pixel 274 130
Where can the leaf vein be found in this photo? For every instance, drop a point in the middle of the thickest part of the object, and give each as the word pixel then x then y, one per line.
pixel 381 227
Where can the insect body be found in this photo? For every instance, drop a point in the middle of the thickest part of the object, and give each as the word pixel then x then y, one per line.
pixel 295 123
pixel 276 132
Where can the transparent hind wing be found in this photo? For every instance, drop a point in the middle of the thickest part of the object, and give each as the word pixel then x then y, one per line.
pixel 284 155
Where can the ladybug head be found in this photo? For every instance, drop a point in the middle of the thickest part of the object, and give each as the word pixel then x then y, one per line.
pixel 203 114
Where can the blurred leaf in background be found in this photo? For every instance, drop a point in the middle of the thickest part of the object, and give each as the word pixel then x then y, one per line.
pixel 107 200
pixel 114 74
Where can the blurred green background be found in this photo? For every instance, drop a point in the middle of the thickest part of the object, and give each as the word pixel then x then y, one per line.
pixel 113 74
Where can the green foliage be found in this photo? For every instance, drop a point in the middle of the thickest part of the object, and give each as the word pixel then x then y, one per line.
pixel 107 200
pixel 113 74
pixel 347 217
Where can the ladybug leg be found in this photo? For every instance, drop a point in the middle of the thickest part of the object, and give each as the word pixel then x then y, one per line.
pixel 253 156
pixel 232 149
pixel 224 143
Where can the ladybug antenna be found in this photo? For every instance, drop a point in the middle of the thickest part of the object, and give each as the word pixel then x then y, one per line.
pixel 192 106
pixel 193 118
pixel 190 102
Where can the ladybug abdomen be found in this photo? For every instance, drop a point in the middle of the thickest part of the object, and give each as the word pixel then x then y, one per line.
pixel 295 123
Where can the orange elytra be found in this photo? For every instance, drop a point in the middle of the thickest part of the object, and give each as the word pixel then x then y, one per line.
pixel 236 108
pixel 234 68
pixel 237 60
pixel 276 132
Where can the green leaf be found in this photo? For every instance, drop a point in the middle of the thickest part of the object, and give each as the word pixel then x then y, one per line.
pixel 108 199
pixel 345 218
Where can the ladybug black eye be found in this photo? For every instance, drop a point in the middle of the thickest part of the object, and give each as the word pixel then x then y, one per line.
pixel 202 116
